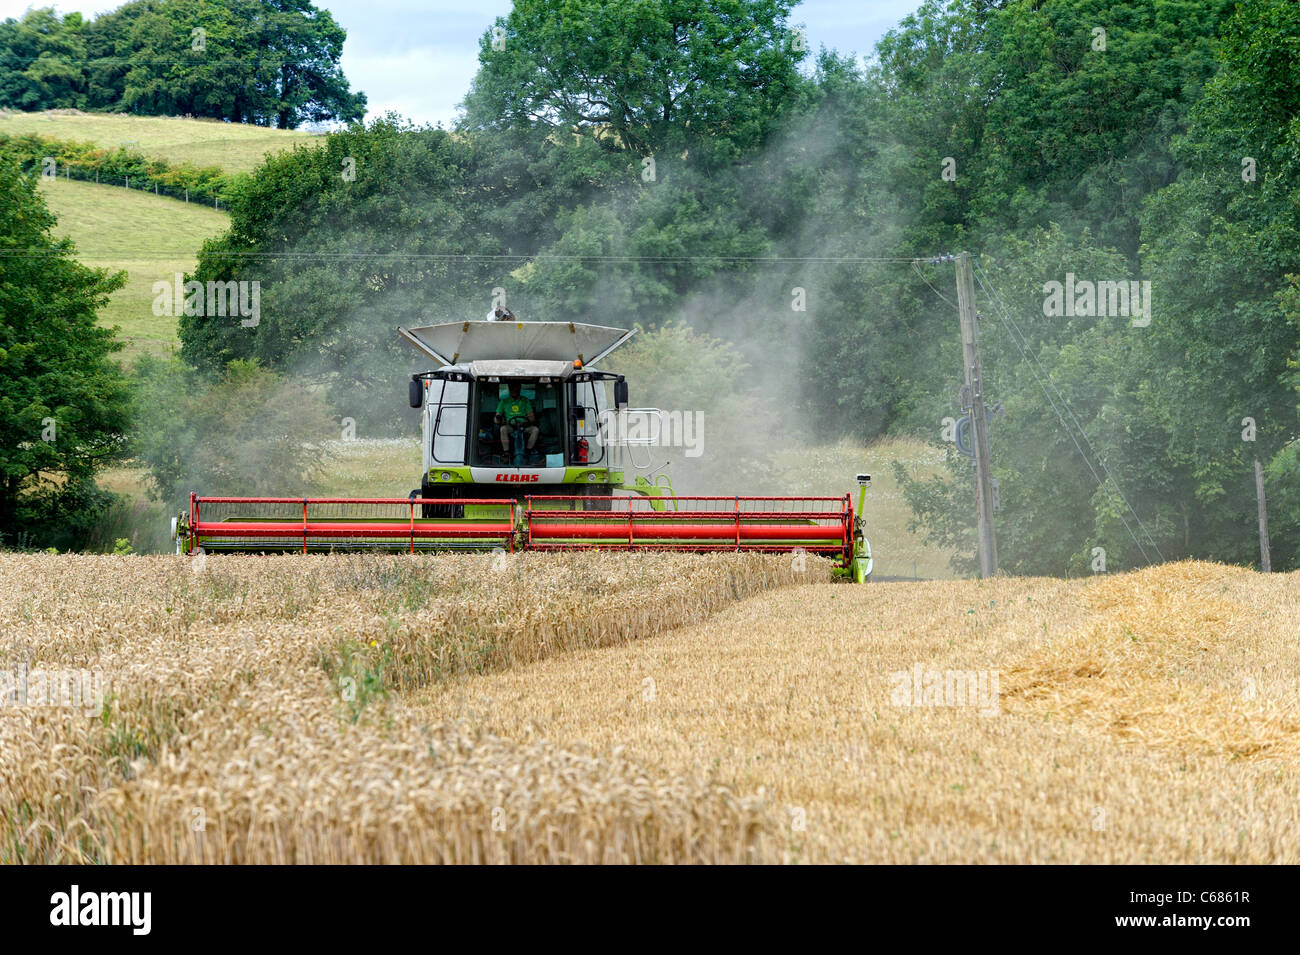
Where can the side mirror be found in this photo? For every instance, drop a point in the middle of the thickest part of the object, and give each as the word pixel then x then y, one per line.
pixel 416 391
pixel 620 393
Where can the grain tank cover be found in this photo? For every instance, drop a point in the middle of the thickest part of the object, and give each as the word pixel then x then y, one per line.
pixel 457 342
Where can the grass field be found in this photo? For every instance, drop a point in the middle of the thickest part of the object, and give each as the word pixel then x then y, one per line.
pixel 151 237
pixel 647 708
pixel 234 147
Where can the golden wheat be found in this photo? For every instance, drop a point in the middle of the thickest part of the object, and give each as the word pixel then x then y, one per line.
pixel 507 709
pixel 1148 717
pixel 254 714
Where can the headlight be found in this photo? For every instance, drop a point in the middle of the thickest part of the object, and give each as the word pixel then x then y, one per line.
pixel 446 475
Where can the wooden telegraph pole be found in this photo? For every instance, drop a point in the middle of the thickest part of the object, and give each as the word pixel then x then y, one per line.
pixel 1265 560
pixel 987 540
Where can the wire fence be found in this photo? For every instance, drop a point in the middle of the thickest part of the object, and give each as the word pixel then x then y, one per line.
pixel 68 171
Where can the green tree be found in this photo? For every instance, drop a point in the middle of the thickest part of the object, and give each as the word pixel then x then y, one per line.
pixel 977 121
pixel 42 61
pixel 250 432
pixel 406 237
pixel 712 76
pixel 422 228
pixel 1220 244
pixel 266 62
pixel 1075 395
pixel 64 403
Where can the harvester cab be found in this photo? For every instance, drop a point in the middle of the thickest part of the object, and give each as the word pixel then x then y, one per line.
pixel 519 409
pixel 528 444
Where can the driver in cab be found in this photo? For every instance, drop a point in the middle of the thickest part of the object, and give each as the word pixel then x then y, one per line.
pixel 513 411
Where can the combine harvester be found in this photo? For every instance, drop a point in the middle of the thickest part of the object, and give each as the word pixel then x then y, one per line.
pixel 548 472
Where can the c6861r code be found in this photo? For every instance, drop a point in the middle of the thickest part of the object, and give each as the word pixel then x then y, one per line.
pixel 1225 897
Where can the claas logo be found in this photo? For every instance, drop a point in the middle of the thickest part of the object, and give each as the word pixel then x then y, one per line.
pixel 519 477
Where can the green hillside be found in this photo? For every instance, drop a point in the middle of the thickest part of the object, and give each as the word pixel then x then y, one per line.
pixel 151 238
pixel 234 147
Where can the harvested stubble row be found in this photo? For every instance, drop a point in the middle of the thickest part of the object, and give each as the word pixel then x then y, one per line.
pixel 1146 717
pixel 253 716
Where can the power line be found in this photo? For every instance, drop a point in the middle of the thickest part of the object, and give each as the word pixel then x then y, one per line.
pixel 1021 342
pixel 916 268
pixel 503 256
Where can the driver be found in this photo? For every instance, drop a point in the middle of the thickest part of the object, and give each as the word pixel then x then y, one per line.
pixel 511 409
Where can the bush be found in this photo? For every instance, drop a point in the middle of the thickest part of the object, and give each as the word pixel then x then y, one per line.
pixel 86 161
pixel 251 432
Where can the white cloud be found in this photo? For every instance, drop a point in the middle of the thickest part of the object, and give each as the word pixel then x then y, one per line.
pixel 423 83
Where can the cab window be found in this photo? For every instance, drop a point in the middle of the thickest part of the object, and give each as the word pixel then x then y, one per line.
pixel 544 397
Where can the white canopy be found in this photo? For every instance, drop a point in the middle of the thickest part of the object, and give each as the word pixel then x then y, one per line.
pixel 453 342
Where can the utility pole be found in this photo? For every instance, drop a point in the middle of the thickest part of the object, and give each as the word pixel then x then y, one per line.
pixel 970 350
pixel 1265 562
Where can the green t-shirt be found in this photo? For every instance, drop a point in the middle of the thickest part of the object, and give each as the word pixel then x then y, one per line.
pixel 510 408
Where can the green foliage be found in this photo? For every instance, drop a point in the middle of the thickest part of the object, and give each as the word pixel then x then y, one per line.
pixel 1221 247
pixel 423 233
pixel 63 401
pixel 89 160
pixel 943 509
pixel 708 76
pixel 268 62
pixel 42 61
pixel 248 433
pixel 1054 509
pixel 1078 134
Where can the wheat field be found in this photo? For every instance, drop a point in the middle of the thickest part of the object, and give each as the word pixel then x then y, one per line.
pixel 254 710
pixel 1148 717
pixel 644 708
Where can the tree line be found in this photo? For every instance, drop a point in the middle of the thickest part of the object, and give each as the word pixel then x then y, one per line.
pixel 265 62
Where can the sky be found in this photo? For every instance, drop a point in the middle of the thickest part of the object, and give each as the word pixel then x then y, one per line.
pixel 417 57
